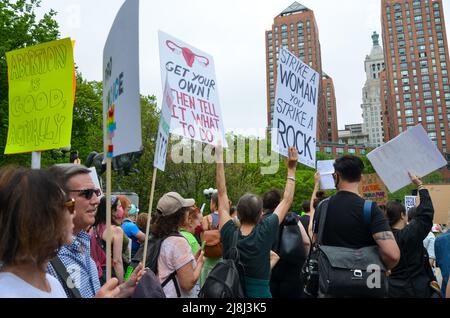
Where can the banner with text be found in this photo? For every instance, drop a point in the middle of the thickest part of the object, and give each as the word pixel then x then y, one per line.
pixel 162 140
pixel 410 202
pixel 40 97
pixel 121 99
pixel 295 109
pixel 196 112
pixel 372 188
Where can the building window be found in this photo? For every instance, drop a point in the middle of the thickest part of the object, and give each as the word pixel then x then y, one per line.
pixel 430 119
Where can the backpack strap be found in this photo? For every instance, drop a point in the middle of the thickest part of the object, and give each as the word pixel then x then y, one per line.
pixel 367 212
pixel 64 277
pixel 322 209
pixel 172 277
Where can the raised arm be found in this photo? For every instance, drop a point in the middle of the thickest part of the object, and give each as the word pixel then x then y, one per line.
pixel 421 224
pixel 224 205
pixel 288 196
pixel 311 203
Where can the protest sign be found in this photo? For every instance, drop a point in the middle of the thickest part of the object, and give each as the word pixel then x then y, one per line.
pixel 40 97
pixel 412 151
pixel 440 196
pixel 95 178
pixel 196 112
pixel 162 140
pixel 121 99
pixel 295 111
pixel 326 170
pixel 410 202
pixel 372 188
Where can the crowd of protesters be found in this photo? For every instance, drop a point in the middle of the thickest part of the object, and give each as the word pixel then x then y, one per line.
pixel 53 236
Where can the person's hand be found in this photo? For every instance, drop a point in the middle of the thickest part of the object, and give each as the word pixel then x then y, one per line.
pixel 292 158
pixel 197 255
pixel 317 177
pixel 109 290
pixel 415 179
pixel 201 258
pixel 127 288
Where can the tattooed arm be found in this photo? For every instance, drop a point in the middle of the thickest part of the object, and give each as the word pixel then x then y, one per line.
pixel 389 251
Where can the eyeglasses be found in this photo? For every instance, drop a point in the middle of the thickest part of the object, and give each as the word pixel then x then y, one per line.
pixel 70 205
pixel 88 193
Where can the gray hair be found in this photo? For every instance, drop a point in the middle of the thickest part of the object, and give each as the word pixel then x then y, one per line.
pixel 68 170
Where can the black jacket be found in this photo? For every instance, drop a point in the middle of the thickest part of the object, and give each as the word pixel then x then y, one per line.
pixel 411 278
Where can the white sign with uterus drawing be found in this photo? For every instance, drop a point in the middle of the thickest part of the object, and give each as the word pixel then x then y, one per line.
pixel 196 112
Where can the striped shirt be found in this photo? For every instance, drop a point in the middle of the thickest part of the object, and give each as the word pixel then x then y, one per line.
pixel 76 257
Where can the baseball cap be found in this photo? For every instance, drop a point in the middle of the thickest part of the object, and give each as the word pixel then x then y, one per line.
pixel 171 202
pixel 133 210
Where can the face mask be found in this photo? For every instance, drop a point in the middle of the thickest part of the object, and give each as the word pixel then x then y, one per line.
pixel 120 213
pixel 336 181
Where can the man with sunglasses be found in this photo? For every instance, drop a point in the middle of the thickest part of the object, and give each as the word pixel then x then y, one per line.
pixel 73 266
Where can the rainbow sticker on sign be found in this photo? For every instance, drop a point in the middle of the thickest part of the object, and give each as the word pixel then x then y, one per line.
pixel 111 128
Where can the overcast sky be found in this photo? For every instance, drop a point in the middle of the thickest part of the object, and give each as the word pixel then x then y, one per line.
pixel 232 31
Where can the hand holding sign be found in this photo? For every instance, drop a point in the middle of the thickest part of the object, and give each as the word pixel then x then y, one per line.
pixel 292 158
pixel 415 179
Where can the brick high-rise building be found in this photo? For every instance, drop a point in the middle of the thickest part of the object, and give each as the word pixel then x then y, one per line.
pixel 417 62
pixel 295 28
pixel 330 104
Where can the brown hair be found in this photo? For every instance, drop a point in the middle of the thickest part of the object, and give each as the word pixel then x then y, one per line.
pixel 141 221
pixel 32 219
pixel 320 196
pixel 164 225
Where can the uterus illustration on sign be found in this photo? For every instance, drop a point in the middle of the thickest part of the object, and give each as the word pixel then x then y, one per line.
pixel 189 56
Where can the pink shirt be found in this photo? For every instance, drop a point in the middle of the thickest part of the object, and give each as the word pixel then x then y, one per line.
pixel 175 253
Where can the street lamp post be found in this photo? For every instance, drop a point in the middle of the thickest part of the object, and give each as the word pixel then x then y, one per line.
pixel 208 193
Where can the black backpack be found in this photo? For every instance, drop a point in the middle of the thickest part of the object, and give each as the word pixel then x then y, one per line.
pixel 149 286
pixel 290 248
pixel 226 278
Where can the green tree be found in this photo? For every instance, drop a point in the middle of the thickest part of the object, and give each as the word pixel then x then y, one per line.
pixel 19 28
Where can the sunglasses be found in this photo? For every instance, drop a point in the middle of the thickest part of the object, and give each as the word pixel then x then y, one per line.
pixel 88 193
pixel 70 205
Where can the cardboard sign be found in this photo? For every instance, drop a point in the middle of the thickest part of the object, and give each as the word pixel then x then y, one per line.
pixel 162 140
pixel 326 170
pixel 440 196
pixel 372 188
pixel 295 112
pixel 196 112
pixel 121 99
pixel 40 97
pixel 412 151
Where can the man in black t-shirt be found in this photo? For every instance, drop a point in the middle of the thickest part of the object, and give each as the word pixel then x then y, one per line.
pixel 344 224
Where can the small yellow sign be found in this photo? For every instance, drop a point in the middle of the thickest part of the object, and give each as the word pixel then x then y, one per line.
pixel 41 97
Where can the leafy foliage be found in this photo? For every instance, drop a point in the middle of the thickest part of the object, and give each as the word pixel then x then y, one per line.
pixel 19 28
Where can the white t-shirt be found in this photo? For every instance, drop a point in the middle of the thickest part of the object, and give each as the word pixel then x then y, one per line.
pixel 175 253
pixel 12 286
